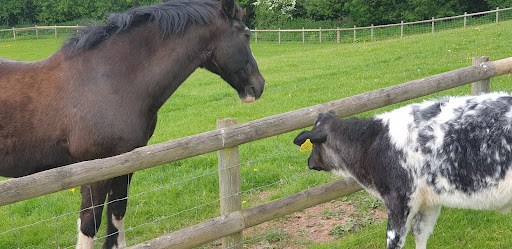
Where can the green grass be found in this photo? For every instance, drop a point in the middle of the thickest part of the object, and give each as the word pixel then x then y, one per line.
pixel 297 76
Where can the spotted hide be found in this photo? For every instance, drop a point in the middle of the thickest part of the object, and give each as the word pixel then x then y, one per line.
pixel 455 152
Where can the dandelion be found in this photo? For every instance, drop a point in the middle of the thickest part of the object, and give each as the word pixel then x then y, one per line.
pixel 243 202
pixel 73 190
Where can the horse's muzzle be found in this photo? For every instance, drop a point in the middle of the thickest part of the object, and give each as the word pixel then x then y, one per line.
pixel 249 99
pixel 254 90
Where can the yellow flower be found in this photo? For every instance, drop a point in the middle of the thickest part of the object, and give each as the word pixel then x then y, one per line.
pixel 72 190
pixel 255 170
pixel 243 202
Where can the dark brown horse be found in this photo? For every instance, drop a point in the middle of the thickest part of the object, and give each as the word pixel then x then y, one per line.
pixel 98 96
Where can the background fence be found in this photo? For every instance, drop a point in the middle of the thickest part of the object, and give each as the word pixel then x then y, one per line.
pixel 68 177
pixel 381 32
pixel 320 35
pixel 38 32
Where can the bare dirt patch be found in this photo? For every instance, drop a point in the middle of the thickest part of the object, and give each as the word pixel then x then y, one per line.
pixel 323 223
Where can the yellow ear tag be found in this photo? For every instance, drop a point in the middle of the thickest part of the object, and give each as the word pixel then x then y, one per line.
pixel 306 146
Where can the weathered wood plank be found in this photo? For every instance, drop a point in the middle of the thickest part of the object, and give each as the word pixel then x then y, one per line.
pixel 483 86
pixel 503 66
pixel 229 184
pixel 199 234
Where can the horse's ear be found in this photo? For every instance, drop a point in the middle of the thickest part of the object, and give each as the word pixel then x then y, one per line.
pixel 228 6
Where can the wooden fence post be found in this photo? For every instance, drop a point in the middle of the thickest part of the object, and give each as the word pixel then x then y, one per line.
pixel 402 29
pixel 255 35
pixel 320 34
pixel 338 35
pixel 14 33
pixel 432 25
pixel 303 36
pixel 55 31
pixel 354 33
pixel 372 32
pixel 229 184
pixel 37 32
pixel 497 14
pixel 483 86
pixel 465 18
pixel 279 32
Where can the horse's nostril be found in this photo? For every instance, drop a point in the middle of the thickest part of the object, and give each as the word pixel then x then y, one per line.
pixel 250 91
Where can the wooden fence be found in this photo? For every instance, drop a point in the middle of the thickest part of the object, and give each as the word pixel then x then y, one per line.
pixel 320 31
pixel 50 181
pixel 372 28
pixel 37 28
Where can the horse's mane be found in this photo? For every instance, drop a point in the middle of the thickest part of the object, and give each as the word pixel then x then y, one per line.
pixel 173 17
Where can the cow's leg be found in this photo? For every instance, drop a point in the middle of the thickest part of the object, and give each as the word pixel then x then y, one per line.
pixel 423 225
pixel 116 209
pixel 93 199
pixel 399 221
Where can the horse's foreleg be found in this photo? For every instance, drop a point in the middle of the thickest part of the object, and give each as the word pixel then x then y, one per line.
pixel 116 209
pixel 93 199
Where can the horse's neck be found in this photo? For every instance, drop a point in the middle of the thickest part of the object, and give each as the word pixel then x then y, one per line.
pixel 143 66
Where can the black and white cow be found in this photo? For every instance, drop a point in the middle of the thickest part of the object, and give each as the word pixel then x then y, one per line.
pixel 456 152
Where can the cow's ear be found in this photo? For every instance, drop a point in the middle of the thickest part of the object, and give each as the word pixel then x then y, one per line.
pixel 318 137
pixel 314 136
pixel 301 138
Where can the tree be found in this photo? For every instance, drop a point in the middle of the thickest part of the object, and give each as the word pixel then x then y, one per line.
pixel 270 13
pixel 323 9
pixel 14 12
pixel 248 8
pixel 493 4
pixel 367 12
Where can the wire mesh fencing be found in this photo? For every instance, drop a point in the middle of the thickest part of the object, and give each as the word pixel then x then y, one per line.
pixel 161 200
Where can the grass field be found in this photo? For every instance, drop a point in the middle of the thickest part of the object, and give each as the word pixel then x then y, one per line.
pixel 297 76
